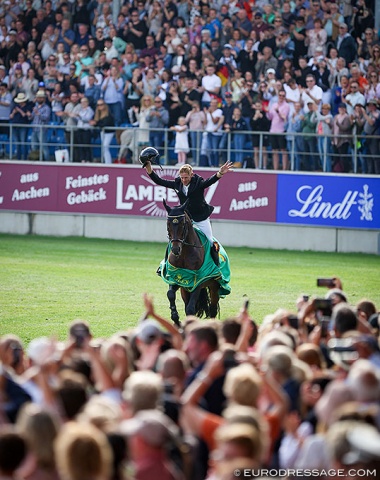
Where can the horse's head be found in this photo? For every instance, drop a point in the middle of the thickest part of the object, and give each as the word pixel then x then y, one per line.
pixel 178 227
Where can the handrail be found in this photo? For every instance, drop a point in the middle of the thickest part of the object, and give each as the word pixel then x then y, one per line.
pixel 61 136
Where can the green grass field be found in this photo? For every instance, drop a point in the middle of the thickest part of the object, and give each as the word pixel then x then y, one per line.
pixel 46 282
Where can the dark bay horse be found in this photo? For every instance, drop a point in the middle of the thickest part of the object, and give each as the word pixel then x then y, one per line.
pixel 186 251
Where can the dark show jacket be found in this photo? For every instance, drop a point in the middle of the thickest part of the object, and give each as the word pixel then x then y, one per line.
pixel 198 208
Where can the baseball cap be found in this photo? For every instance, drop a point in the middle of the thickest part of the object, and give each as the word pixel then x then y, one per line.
pixel 258 15
pixel 12 32
pixel 148 331
pixel 40 350
pixel 227 45
pixel 228 94
pixel 271 70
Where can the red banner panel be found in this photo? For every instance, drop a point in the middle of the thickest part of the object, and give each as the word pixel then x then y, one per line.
pixel 128 190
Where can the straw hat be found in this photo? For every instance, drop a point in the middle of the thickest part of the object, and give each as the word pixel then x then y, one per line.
pixel 21 98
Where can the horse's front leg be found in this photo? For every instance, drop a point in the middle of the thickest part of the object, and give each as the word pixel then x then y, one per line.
pixel 190 305
pixel 214 300
pixel 173 308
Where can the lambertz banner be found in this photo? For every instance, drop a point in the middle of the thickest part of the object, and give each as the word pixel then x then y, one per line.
pixel 128 190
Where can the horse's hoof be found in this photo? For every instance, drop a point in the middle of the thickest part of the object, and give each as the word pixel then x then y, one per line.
pixel 178 324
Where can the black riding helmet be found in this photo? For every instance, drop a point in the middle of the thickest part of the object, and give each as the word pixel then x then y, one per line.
pixel 149 154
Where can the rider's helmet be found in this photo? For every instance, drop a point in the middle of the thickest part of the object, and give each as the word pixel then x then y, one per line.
pixel 149 154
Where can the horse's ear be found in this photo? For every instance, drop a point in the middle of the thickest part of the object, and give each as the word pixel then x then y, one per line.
pixel 168 209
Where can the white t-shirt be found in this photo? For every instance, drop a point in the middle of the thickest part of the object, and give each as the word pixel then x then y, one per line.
pixel 292 94
pixel 210 82
pixel 210 125
pixel 355 98
pixel 316 92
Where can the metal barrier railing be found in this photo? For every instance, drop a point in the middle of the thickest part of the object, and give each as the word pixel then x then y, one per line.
pixel 303 151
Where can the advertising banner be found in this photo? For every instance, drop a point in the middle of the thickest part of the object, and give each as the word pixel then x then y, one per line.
pixel 240 195
pixel 28 187
pixel 326 200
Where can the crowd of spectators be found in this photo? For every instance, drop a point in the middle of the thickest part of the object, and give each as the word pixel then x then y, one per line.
pixel 298 393
pixel 291 67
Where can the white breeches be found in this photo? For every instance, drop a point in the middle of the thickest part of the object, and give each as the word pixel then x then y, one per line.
pixel 205 227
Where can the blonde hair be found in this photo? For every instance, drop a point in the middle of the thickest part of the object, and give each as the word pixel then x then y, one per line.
pixel 39 428
pixel 186 169
pixel 143 390
pixel 242 385
pixel 146 97
pixel 99 113
pixel 83 453
pixel 102 412
pixel 246 437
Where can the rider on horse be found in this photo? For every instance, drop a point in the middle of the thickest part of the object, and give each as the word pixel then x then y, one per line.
pixel 189 186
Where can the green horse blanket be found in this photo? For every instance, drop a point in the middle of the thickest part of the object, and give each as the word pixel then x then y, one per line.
pixel 191 279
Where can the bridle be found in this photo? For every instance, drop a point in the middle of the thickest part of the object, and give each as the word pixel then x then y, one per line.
pixel 185 231
pixel 174 219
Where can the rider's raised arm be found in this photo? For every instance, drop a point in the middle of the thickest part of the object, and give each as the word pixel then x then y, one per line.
pixel 225 168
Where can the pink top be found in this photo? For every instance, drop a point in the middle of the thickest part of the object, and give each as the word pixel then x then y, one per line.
pixel 278 123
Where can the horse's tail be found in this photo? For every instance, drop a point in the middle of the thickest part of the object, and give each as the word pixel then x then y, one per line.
pixel 204 307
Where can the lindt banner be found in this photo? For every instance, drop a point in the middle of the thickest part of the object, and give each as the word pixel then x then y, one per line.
pixel 128 190
pixel 329 200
